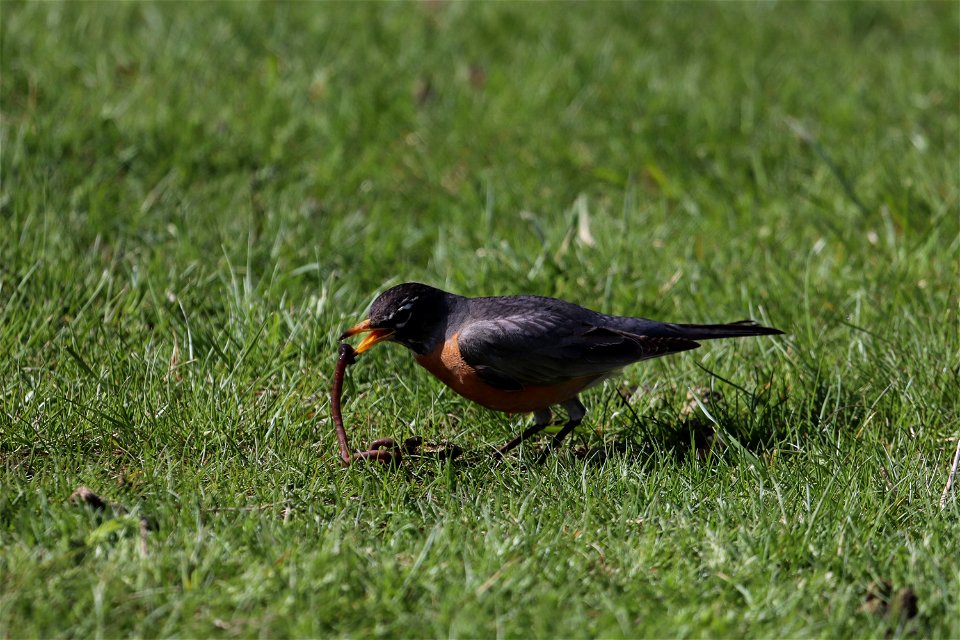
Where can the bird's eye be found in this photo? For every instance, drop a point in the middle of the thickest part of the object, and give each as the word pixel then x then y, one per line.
pixel 401 318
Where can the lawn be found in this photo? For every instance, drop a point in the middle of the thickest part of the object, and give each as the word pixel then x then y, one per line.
pixel 198 198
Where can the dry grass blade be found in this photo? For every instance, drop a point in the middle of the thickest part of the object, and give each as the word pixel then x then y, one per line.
pixel 953 474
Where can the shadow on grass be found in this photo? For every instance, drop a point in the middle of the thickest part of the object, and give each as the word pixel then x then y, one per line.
pixel 708 426
pixel 758 423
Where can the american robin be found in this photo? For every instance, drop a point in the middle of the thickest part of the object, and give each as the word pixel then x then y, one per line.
pixel 525 353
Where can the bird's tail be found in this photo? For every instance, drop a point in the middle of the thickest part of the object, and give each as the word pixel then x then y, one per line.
pixel 739 329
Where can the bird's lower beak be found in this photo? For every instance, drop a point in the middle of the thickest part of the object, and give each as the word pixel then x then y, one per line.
pixel 376 335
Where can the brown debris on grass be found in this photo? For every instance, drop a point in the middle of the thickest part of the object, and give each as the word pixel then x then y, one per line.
pixel 882 601
pixel 84 496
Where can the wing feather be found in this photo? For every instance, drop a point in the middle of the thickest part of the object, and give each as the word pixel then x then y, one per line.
pixel 550 347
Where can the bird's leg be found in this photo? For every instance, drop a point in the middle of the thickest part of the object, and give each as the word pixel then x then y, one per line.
pixel 575 412
pixel 541 419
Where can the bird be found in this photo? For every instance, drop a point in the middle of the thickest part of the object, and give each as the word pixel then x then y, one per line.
pixel 525 353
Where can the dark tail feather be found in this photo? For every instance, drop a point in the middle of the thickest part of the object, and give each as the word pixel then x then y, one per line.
pixel 739 329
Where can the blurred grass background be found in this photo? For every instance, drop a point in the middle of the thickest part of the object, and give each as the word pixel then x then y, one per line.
pixel 197 198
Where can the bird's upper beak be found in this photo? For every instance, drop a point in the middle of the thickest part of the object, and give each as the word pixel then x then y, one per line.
pixel 376 335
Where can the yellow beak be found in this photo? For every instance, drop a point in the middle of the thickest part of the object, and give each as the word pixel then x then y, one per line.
pixel 376 335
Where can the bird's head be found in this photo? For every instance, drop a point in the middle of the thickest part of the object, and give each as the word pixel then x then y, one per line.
pixel 409 313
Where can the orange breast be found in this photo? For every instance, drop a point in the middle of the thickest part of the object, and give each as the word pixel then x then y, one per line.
pixel 446 363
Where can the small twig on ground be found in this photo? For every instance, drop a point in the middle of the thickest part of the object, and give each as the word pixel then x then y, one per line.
pixel 950 477
pixel 258 507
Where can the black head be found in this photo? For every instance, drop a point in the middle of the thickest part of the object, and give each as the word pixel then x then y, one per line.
pixel 412 314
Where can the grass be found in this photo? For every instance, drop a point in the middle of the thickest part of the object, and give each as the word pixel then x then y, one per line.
pixel 197 199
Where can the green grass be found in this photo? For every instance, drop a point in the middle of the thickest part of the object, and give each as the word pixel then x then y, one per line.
pixel 196 199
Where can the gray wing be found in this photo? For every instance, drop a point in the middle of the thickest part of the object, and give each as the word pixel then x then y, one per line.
pixel 549 347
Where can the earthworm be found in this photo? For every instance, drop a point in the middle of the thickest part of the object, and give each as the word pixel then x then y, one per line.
pixel 383 449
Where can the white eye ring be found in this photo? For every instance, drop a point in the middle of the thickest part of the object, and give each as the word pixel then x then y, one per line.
pixel 402 310
pixel 406 307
